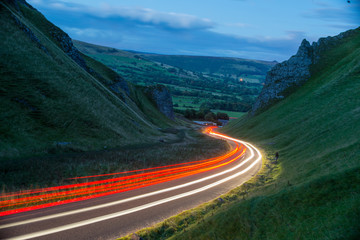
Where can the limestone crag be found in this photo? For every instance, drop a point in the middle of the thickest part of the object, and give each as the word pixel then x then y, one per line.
pixel 293 72
pixel 67 46
pixel 162 97
pixel 120 83
pixel 285 77
pixel 62 39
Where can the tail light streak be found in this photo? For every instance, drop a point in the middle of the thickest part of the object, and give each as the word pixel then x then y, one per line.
pixel 254 155
pixel 137 182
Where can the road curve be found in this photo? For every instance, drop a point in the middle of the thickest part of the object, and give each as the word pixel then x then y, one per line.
pixel 116 215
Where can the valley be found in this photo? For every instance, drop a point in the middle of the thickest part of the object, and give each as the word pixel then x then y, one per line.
pixel 222 84
pixel 100 143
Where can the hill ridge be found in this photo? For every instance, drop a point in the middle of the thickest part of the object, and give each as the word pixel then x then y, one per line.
pixel 286 77
pixel 57 96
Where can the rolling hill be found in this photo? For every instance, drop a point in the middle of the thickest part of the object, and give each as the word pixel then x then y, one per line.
pixel 232 85
pixel 226 67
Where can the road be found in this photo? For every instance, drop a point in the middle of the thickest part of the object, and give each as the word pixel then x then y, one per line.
pixel 115 215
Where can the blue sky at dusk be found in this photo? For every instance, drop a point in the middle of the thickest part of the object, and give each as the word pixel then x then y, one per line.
pixel 255 29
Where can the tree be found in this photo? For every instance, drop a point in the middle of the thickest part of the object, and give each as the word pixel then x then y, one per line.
pixel 221 115
pixel 210 116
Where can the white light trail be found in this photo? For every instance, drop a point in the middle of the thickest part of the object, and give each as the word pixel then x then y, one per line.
pixel 142 207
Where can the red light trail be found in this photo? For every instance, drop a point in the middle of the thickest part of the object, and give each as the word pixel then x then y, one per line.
pixel 41 198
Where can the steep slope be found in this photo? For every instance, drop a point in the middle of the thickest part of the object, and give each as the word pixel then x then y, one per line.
pixel 316 131
pixel 287 76
pixel 53 98
pixel 313 192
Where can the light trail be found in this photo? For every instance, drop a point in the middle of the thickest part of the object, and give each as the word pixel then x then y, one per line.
pixel 145 206
pixel 41 190
pixel 126 187
pixel 138 177
pixel 147 169
pixel 88 190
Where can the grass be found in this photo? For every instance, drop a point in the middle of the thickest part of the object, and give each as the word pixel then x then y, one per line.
pixel 302 212
pixel 180 224
pixel 46 98
pixel 178 145
pixel 58 121
pixel 314 193
pixel 214 88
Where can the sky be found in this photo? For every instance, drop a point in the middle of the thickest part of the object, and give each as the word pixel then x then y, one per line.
pixel 253 29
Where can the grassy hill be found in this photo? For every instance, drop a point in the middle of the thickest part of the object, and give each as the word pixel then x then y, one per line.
pixel 234 68
pixel 47 98
pixel 190 88
pixel 55 101
pixel 313 192
pixel 64 114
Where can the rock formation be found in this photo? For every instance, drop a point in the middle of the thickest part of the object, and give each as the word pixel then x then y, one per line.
pixel 66 44
pixel 30 34
pixel 162 98
pixel 285 77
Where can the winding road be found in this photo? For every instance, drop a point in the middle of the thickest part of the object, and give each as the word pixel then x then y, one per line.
pixel 137 200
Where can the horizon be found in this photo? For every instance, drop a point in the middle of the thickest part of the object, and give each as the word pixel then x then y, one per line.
pixel 257 30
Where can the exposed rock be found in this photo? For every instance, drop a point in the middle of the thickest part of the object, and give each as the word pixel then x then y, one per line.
pixel 30 34
pixel 285 77
pixel 68 47
pixel 66 44
pixel 324 44
pixel 120 83
pixel 290 73
pixel 162 97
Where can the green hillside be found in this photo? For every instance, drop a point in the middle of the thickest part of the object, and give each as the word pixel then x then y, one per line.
pixel 313 192
pixel 48 99
pixel 190 88
pixel 234 68
pixel 63 114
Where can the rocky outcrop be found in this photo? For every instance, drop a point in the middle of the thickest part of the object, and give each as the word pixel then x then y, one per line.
pixel 120 83
pixel 30 34
pixel 61 38
pixel 287 76
pixel 162 98
pixel 66 44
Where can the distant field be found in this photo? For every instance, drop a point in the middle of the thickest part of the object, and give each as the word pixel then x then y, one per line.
pixel 226 84
pixel 231 114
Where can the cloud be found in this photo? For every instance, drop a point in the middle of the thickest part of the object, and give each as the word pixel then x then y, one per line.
pixel 348 13
pixel 147 30
pixel 146 16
